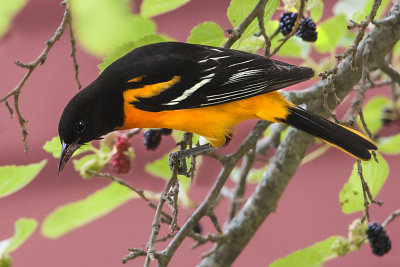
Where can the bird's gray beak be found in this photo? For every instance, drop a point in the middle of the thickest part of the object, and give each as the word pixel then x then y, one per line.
pixel 66 152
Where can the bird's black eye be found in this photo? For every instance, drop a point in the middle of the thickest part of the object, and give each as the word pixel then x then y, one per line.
pixel 79 126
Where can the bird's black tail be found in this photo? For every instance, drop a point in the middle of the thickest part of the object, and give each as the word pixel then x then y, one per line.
pixel 346 139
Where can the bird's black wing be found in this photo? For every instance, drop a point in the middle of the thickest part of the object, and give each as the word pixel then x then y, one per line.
pixel 204 76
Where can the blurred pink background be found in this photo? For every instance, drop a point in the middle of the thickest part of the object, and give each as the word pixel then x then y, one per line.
pixel 309 210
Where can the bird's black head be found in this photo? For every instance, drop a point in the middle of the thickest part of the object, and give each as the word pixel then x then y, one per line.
pixel 90 114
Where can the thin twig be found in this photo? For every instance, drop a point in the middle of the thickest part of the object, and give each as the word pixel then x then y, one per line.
pixel 363 26
pixel 376 84
pixel 208 253
pixel 271 141
pixel 356 105
pixel 366 193
pixel 238 31
pixel 208 238
pixel 365 126
pixel 260 18
pixel 156 221
pixel 391 72
pixel 31 66
pixel 214 155
pixel 392 216
pixel 361 114
pixel 275 33
pixel 214 219
pixel 126 184
pixel 134 252
pixel 174 192
pixel 329 88
pixel 133 132
pixel 165 238
pixel 240 187
pixel 73 52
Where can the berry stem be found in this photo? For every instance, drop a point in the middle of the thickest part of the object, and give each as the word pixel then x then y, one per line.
pixel 391 218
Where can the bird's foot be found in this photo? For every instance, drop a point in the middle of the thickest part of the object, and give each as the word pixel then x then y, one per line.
pixel 181 155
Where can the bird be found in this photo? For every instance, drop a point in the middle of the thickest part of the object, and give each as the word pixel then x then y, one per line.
pixel 195 88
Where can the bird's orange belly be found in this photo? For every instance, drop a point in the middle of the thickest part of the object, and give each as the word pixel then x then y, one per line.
pixel 214 122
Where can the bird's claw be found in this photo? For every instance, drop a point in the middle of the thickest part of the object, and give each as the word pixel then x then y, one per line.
pixel 179 157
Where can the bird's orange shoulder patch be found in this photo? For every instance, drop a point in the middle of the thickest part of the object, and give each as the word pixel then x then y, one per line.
pixel 149 90
pixel 137 79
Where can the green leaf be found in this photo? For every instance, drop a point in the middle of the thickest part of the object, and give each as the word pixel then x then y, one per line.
pixel 184 183
pixel 324 247
pixel 93 162
pixel 360 11
pixel 238 10
pixel 73 215
pixel 13 178
pixel 348 7
pixel 254 176
pixel 102 25
pixel 24 228
pixel 3 246
pixel 54 147
pixel 390 145
pixel 316 8
pixel 396 48
pixel 372 113
pixel 122 50
pixel 88 163
pixel 375 174
pixel 79 163
pixel 159 168
pixel 311 256
pixel 360 14
pixel 330 32
pixel 5 261
pixel 347 39
pixel 8 10
pixel 207 33
pixel 151 8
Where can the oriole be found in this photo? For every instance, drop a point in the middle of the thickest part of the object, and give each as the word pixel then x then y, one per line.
pixel 194 88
